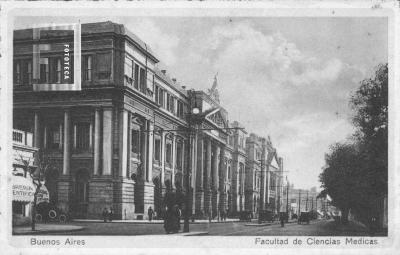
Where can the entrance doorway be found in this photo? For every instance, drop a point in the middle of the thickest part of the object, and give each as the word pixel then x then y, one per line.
pixel 81 194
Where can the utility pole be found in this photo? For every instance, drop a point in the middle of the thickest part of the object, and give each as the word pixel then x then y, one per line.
pixel 287 198
pixel 312 204
pixel 299 203
pixel 187 177
pixel 261 197
pixel 307 202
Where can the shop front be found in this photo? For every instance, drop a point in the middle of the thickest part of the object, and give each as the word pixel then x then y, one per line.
pixel 23 191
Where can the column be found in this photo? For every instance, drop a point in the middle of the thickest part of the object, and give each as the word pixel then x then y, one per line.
pixel 215 167
pixel 45 136
pixel 123 143
pixel 215 172
pixel 173 160
pixel 150 152
pixel 144 142
pixel 74 136
pixel 96 151
pixel 107 141
pixel 200 176
pixel 90 135
pixel 66 154
pixel 194 172
pixel 268 184
pixel 222 179
pixel 36 131
pixel 162 159
pixel 207 199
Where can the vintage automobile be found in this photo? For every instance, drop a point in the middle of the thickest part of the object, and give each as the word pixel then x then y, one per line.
pixel 46 212
pixel 245 216
pixel 267 215
pixel 304 218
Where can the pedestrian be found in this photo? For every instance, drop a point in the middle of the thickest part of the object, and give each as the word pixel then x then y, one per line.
pixel 105 214
pixel 150 213
pixel 111 214
pixel 282 219
pixel 178 214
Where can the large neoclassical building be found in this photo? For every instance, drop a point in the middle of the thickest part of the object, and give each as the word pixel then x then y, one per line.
pixel 122 140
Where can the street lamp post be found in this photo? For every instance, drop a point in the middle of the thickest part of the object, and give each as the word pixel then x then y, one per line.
pixel 261 197
pixel 287 199
pixel 193 118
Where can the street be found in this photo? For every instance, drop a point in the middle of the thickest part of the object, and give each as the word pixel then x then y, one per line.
pixel 315 228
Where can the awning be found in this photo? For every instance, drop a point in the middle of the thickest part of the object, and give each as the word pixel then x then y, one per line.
pixel 43 195
pixel 23 189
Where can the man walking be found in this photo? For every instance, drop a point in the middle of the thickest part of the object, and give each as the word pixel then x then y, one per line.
pixel 105 214
pixel 150 213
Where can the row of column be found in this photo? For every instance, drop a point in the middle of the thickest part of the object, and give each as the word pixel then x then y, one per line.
pixel 106 135
pixel 210 177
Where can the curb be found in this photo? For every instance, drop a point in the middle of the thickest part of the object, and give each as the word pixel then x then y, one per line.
pixel 43 232
pixel 267 224
pixel 149 222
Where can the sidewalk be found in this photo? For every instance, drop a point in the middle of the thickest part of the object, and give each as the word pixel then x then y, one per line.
pixel 153 221
pixel 256 224
pixel 46 229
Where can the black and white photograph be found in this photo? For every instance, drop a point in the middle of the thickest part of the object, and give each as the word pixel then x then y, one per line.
pixel 200 122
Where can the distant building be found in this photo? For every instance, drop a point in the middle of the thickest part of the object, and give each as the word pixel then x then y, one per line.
pixel 303 200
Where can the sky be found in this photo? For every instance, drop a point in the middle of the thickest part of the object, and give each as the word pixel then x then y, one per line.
pixel 287 78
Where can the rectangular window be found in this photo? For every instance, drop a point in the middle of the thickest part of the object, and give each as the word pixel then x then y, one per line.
pixel 128 71
pixel 168 101
pixel 58 71
pixel 83 136
pixel 157 149
pixel 87 68
pixel 173 105
pixel 142 80
pixel 161 97
pixel 135 141
pixel 180 109
pixel 54 137
pixel 28 72
pixel 44 70
pixel 179 156
pixel 168 157
pixel 103 66
pixel 150 81
pixel 136 82
pixel 156 93
pixel 17 72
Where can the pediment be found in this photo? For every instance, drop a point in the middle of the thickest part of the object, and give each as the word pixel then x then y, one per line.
pixel 215 116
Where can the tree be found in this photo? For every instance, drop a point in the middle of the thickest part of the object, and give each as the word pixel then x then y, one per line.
pixel 370 103
pixel 339 177
pixel 43 164
pixel 356 172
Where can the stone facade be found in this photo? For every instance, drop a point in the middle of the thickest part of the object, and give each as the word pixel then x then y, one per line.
pixel 123 140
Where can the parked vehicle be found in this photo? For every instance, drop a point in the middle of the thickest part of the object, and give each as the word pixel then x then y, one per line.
pixel 46 212
pixel 245 216
pixel 267 215
pixel 304 218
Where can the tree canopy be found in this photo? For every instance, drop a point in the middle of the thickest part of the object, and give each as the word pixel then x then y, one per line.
pixel 356 172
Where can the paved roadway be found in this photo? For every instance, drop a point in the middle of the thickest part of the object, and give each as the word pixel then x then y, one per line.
pixel 315 228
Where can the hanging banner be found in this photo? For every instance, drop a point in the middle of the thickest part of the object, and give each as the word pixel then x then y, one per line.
pixel 43 195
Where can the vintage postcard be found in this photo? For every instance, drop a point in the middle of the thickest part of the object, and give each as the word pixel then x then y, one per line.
pixel 130 126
